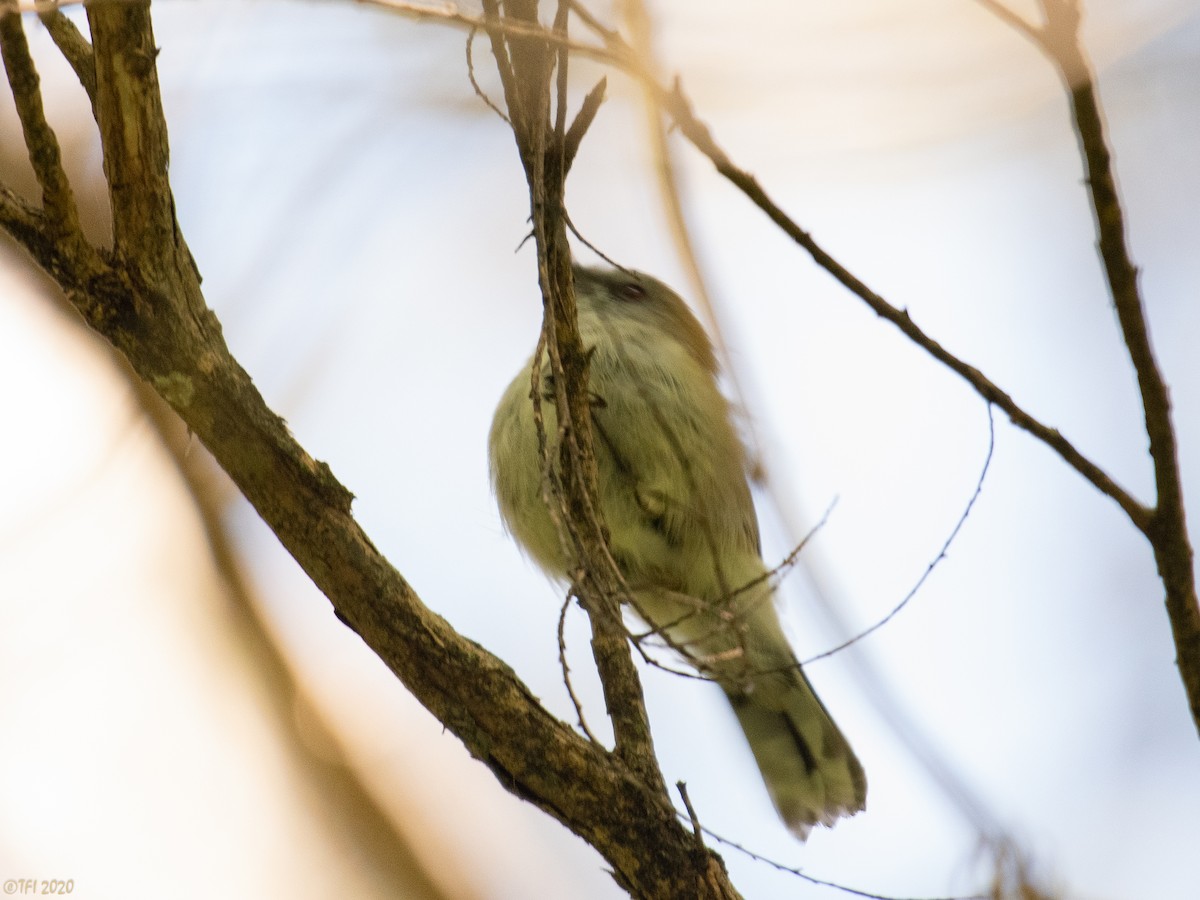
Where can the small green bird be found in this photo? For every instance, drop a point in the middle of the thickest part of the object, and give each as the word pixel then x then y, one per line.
pixel 683 531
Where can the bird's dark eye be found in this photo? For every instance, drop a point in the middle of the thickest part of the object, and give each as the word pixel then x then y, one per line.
pixel 630 290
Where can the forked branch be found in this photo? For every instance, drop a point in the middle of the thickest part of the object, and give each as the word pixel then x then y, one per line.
pixel 1165 525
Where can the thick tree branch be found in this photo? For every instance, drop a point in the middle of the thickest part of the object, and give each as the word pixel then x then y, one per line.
pixel 355 817
pixel 144 297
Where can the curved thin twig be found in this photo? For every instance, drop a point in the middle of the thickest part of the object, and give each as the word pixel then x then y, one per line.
pixel 800 873
pixel 566 670
pixel 987 463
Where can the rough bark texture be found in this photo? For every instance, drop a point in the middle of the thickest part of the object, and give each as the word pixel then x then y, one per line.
pixel 144 296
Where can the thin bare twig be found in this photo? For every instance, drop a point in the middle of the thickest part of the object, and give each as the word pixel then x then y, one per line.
pixel 697 828
pixel 583 240
pixel 501 27
pixel 962 519
pixel 701 664
pixel 495 29
pixel 586 17
pixel 581 123
pixel 566 670
pixel 1009 17
pixel 785 565
pixel 479 92
pixel 800 873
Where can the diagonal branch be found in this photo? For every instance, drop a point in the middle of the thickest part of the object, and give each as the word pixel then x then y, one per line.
pixel 582 122
pixel 698 134
pixel 1006 15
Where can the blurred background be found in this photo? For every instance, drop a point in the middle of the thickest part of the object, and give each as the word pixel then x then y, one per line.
pixel 185 717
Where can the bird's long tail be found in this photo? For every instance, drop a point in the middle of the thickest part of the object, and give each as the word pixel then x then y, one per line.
pixel 811 774
pixel 810 771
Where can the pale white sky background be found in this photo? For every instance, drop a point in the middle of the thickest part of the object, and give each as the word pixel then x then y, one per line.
pixel 355 210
